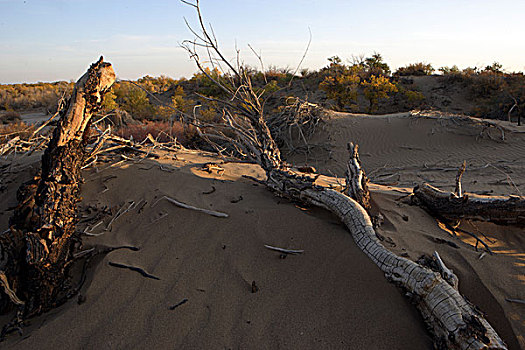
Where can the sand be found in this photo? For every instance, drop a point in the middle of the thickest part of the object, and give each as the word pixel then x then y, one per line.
pixel 332 296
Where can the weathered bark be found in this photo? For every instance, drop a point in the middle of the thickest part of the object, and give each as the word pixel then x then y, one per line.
pixel 456 323
pixel 459 190
pixel 497 209
pixel 356 180
pixel 37 248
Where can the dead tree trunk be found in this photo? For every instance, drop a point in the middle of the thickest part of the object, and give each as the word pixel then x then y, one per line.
pixel 356 180
pixel 496 209
pixel 37 249
pixel 455 323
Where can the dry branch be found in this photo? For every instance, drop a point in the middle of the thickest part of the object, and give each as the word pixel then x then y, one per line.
pixel 459 191
pixel 283 250
pixel 445 272
pixel 191 207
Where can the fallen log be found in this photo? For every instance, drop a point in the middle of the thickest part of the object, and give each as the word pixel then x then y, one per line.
pixel 497 209
pixel 455 322
pixel 38 246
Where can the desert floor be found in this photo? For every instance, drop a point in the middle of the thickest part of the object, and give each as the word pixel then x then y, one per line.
pixel 331 296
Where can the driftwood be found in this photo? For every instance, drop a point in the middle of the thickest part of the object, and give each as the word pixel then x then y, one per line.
pixel 455 323
pixel 497 209
pixel 38 247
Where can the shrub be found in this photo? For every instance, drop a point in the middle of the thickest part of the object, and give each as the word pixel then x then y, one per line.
pixel 376 88
pixel 341 88
pixel 9 117
pixel 449 70
pixel 137 104
pixel 205 86
pixel 10 131
pixel 417 69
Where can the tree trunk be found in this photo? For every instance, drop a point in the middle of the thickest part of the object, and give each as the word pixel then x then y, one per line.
pixel 38 247
pixel 456 323
pixel 356 180
pixel 496 209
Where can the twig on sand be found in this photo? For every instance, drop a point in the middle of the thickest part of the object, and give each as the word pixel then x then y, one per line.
pixel 191 207
pixel 283 250
pixel 519 301
pixel 210 191
pixel 510 181
pixel 455 230
pixel 478 240
pixel 134 268
pixel 236 200
pixel 183 301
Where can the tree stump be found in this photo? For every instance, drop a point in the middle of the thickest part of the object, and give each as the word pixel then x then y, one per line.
pixel 37 249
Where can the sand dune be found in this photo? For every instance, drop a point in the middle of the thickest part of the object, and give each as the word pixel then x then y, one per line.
pixel 330 297
pixel 406 150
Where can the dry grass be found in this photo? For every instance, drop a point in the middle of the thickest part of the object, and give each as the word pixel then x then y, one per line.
pixel 161 131
pixel 9 117
pixel 10 131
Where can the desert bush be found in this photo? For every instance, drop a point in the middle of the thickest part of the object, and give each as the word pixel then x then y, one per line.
pixel 494 68
pixel 19 97
pixel 9 117
pixel 205 86
pixel 10 131
pixel 156 84
pixel 342 88
pixel 109 102
pixel 374 66
pixel 281 75
pixel 449 70
pixel 414 97
pixel 161 131
pixel 271 87
pixel 378 87
pixel 136 103
pixel 417 69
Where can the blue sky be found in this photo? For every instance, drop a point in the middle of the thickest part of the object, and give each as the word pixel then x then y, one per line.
pixel 57 40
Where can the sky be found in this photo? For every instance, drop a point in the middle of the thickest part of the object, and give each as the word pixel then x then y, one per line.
pixel 58 39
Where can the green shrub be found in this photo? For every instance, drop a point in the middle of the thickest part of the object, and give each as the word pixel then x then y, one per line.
pixel 137 104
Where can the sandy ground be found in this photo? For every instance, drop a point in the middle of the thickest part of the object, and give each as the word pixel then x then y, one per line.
pixel 34 117
pixel 330 297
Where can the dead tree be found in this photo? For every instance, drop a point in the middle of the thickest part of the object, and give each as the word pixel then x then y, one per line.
pixel 356 180
pixel 455 323
pixel 37 248
pixel 497 209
